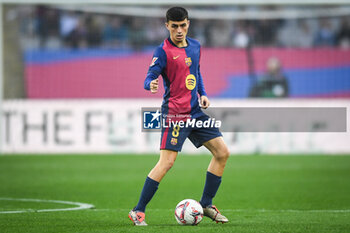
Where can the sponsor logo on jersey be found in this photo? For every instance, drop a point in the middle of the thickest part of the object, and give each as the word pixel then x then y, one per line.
pixel 154 61
pixel 188 61
pixel 190 82
pixel 176 57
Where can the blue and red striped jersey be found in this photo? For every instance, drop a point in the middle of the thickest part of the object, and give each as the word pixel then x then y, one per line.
pixel 180 69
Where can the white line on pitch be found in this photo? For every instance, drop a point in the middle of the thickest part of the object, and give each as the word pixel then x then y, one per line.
pixel 80 206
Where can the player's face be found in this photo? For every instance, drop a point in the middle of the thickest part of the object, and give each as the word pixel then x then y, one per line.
pixel 178 30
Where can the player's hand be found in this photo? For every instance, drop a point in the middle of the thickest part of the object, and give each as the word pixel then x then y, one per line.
pixel 154 86
pixel 204 102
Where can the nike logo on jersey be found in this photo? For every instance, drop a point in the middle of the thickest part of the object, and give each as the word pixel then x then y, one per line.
pixel 176 57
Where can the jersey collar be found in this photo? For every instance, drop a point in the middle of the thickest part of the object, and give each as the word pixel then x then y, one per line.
pixel 171 42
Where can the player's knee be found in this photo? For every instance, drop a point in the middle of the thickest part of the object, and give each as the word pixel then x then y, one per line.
pixel 168 164
pixel 222 154
pixel 226 153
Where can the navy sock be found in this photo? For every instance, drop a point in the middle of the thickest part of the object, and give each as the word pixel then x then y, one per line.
pixel 212 184
pixel 149 189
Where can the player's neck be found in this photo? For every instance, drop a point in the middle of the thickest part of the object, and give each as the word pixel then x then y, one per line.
pixel 179 44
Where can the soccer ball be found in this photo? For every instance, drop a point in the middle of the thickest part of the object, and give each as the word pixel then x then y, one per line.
pixel 188 212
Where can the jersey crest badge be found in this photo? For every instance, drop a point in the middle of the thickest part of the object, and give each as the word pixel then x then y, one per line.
pixel 173 141
pixel 154 61
pixel 188 61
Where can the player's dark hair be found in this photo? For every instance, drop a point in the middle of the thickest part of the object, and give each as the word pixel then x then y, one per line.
pixel 176 13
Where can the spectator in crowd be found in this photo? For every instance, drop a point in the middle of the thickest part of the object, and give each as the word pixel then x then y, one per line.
pixel 47 25
pixel 137 33
pixel 286 35
pixel 241 38
pixel 28 39
pixel 115 33
pixel 77 37
pixel 156 32
pixel 273 84
pixel 343 36
pixel 199 31
pixel 221 33
pixel 325 36
pixel 296 34
pixel 303 35
pixel 80 30
pixel 68 22
pixel 266 32
pixel 93 32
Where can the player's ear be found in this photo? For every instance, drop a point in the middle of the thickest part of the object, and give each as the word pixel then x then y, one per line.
pixel 167 25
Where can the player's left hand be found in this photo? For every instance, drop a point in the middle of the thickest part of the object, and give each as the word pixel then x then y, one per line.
pixel 204 102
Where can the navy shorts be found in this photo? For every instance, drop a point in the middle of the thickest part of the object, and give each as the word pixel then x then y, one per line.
pixel 173 137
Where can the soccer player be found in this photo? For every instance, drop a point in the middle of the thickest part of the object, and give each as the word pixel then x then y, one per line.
pixel 177 60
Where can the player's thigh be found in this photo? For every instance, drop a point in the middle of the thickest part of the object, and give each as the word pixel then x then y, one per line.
pixel 217 147
pixel 167 156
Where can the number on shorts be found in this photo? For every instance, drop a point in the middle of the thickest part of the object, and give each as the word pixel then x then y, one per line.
pixel 176 131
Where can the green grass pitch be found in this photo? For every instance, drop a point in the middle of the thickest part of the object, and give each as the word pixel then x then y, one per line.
pixel 258 193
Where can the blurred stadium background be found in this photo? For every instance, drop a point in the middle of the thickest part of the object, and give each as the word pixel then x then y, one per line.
pixel 72 74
